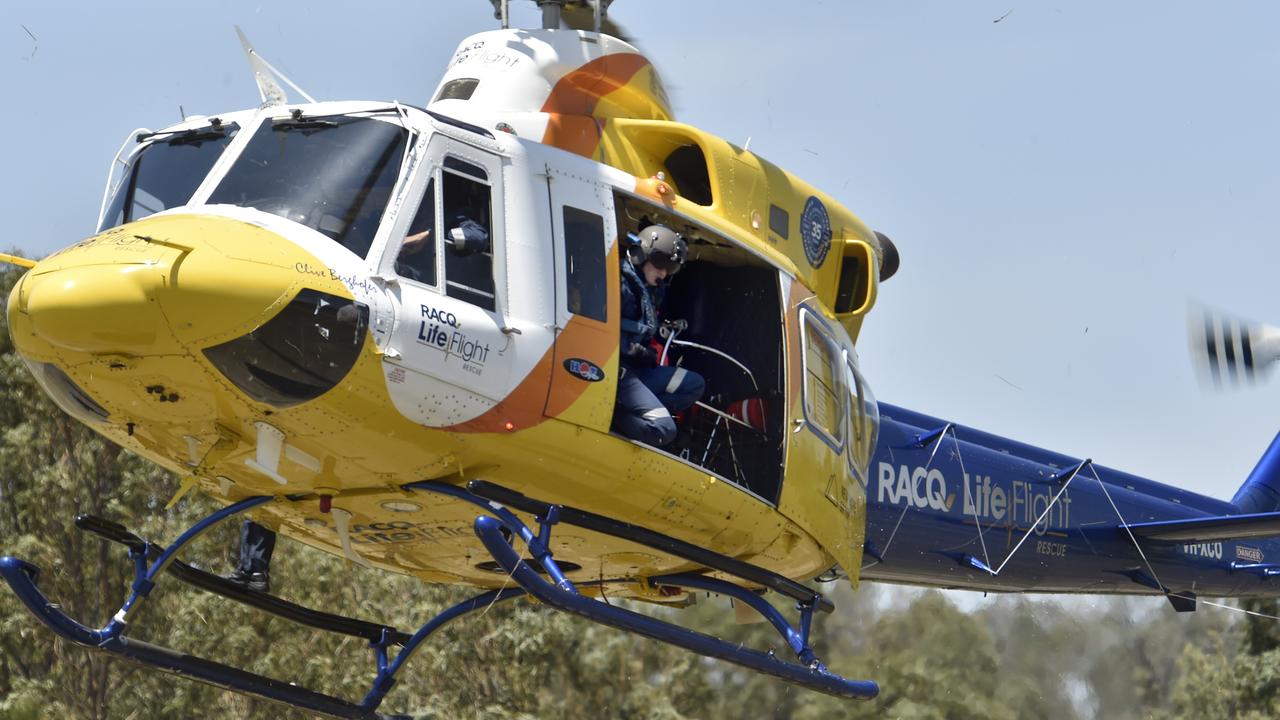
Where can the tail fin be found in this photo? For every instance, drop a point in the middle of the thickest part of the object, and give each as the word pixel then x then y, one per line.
pixel 1261 491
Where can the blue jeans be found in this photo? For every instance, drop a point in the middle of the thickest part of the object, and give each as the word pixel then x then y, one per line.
pixel 257 543
pixel 648 396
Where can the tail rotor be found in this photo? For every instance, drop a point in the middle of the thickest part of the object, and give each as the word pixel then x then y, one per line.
pixel 1229 351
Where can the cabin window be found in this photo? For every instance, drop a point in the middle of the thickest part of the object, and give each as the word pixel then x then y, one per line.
pixel 460 89
pixel 864 421
pixel 779 221
pixel 333 174
pixel 417 257
pixel 167 172
pixel 467 221
pixel 823 403
pixel 584 263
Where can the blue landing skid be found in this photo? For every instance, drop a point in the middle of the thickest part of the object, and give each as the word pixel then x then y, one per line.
pixel 150 561
pixel 561 594
pixel 493 527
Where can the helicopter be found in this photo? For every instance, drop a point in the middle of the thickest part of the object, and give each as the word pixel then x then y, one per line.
pixel 247 322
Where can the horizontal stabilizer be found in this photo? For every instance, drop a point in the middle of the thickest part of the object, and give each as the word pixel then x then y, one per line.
pixel 1222 527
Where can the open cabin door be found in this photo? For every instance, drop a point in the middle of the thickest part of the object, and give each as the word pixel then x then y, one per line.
pixel 821 492
pixel 585 365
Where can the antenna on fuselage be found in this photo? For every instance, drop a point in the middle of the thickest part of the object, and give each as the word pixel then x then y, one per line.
pixel 265 75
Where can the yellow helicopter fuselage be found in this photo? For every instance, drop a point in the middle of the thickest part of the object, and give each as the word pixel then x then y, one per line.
pixel 266 333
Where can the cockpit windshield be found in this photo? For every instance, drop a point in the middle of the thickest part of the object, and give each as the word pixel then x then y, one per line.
pixel 333 174
pixel 166 172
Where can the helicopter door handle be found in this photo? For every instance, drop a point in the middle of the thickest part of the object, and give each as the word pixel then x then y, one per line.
pixel 799 422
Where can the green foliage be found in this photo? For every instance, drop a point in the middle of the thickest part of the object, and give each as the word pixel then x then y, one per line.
pixel 1013 658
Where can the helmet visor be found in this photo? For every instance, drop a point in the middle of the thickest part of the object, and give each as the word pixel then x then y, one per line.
pixel 668 253
pixel 664 261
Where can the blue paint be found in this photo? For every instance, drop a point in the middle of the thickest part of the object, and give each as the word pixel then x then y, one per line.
pixel 1078 546
pixel 815 231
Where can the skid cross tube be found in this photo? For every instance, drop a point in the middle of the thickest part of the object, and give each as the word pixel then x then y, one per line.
pixel 489 530
pixel 644 536
pixel 797 639
pixel 150 560
pixel 496 527
pixel 208 582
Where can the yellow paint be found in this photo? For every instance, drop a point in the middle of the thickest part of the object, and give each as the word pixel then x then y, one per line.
pixel 185 487
pixel 134 308
pixel 15 260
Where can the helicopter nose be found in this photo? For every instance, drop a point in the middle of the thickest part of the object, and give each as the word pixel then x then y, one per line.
pixel 98 308
pixel 157 286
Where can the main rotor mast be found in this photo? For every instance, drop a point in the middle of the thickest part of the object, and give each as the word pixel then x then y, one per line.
pixel 552 11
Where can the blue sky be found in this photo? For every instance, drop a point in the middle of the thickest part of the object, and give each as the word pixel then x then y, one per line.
pixel 1060 183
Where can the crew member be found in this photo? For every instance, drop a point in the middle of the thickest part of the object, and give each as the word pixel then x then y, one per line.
pixel 647 392
pixel 256 545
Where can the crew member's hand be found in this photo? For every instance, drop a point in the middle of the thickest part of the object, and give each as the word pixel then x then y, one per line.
pixel 642 355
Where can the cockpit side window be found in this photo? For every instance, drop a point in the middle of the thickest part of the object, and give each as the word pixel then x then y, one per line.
pixel 331 174
pixel 417 257
pixel 823 405
pixel 167 172
pixel 467 222
pixel 864 421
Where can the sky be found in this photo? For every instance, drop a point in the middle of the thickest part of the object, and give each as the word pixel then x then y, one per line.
pixel 1061 178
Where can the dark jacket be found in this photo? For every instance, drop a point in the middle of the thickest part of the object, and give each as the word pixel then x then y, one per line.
pixel 639 313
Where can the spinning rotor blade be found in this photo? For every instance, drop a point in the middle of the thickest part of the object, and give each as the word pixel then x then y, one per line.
pixel 580 15
pixel 1226 348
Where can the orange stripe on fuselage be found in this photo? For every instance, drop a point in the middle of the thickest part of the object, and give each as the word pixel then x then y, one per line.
pixel 589 343
pixel 529 404
pixel 571 123
pixel 524 406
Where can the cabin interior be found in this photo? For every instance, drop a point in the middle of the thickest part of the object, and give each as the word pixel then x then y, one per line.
pixel 722 316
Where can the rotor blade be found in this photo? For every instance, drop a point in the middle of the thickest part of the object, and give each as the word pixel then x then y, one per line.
pixel 580 15
pixel 1229 350
pixel 15 260
pixel 271 92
